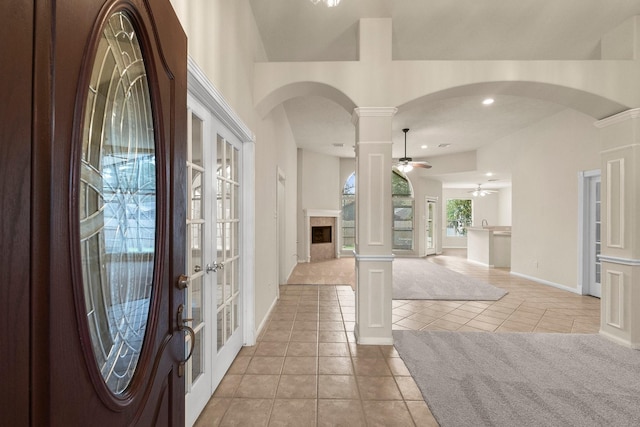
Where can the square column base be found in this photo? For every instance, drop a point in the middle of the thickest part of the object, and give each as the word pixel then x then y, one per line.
pixel 619 316
pixel 373 300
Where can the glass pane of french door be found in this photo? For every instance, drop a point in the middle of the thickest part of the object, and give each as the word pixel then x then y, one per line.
pixel 595 287
pixel 227 242
pixel 199 295
pixel 430 241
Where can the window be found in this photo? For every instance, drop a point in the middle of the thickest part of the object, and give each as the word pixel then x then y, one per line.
pixel 349 213
pixel 402 196
pixel 403 208
pixel 459 214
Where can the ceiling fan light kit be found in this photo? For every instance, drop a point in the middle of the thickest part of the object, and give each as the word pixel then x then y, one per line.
pixel 479 191
pixel 406 164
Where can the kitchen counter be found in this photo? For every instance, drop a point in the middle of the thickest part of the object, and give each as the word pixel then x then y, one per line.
pixel 490 245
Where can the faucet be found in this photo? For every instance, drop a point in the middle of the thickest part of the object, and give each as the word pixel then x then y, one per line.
pixel 485 223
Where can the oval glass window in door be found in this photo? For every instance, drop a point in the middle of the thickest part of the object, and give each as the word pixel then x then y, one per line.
pixel 117 203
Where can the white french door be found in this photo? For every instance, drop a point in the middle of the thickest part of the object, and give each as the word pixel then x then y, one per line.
pixel 213 255
pixel 430 226
pixel 200 228
pixel 228 304
pixel 594 237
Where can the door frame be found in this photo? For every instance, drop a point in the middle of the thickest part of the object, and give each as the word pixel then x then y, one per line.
pixel 435 200
pixel 281 230
pixel 584 249
pixel 204 91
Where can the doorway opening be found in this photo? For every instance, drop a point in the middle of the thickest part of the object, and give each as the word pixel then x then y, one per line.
pixel 589 234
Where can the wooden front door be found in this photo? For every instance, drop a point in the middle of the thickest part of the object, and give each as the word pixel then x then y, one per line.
pixel 94 173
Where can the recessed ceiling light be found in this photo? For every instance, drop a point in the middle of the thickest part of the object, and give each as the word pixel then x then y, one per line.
pixel 424 147
pixel 443 145
pixel 489 174
pixel 488 101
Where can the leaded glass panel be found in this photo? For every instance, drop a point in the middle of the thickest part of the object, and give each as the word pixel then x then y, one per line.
pixel 117 203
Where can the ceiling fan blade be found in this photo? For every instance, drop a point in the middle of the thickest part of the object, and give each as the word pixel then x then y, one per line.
pixel 423 165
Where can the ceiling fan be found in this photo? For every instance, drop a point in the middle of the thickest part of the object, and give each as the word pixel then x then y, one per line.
pixel 405 164
pixel 479 191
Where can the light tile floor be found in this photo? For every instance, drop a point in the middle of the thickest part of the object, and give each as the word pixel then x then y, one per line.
pixel 307 370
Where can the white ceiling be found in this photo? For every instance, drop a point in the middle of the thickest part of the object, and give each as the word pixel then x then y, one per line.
pixel 296 30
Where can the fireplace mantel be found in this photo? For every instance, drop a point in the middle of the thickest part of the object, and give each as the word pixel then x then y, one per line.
pixel 311 213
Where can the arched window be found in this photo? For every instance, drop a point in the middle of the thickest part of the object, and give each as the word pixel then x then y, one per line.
pixel 402 197
pixel 403 208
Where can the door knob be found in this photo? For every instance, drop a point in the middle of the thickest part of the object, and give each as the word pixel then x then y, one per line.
pixel 197 268
pixel 183 282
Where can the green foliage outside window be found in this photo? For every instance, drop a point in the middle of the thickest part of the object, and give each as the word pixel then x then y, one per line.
pixel 402 212
pixel 399 185
pixel 458 216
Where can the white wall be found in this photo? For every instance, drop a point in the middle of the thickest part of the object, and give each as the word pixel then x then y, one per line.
pixel 504 206
pixel 321 186
pixel 288 161
pixel 546 162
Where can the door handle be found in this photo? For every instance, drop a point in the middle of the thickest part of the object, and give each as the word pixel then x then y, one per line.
pixel 182 327
pixel 212 268
pixel 183 282
pixel 197 268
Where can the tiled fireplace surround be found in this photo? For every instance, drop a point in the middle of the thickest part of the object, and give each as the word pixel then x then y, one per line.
pixel 322 251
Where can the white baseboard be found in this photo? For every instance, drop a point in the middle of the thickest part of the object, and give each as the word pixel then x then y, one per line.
pixel 618 340
pixel 548 283
pixel 264 320
pixel 375 341
pixel 479 263
pixel 372 340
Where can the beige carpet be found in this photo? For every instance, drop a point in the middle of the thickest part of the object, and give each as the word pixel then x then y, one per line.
pixel 521 379
pixel 417 278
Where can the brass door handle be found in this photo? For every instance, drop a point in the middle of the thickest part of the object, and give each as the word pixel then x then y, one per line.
pixel 183 282
pixel 180 321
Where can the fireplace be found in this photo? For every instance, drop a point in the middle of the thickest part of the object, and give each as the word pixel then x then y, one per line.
pixel 321 234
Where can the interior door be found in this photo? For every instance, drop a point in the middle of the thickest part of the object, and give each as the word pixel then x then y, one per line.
pixel 594 237
pixel 200 256
pixel 430 226
pixel 110 183
pixel 228 318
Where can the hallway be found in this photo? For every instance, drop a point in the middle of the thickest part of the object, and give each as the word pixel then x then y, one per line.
pixel 306 369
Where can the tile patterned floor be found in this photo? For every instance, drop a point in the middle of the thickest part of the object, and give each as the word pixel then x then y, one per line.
pixel 307 370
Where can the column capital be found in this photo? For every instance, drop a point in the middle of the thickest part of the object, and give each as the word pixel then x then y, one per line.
pixel 372 112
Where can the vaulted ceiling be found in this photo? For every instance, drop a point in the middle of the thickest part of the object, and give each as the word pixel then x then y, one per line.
pixel 297 30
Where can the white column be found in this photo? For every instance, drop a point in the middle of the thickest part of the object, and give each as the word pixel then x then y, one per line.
pixel 373 225
pixel 620 232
